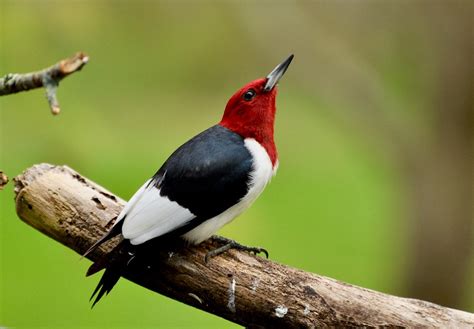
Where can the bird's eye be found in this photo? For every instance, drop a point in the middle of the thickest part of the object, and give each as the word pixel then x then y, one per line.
pixel 249 95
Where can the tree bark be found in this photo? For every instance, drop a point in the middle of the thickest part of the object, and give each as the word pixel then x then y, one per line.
pixel 242 288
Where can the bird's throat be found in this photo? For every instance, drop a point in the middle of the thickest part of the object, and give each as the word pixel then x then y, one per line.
pixel 262 132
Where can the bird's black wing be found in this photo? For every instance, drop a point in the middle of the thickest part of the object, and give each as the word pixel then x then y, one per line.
pixel 201 179
pixel 208 174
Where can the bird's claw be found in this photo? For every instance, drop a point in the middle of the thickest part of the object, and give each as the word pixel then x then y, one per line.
pixel 231 244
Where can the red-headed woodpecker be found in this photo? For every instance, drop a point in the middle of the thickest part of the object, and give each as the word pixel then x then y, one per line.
pixel 204 184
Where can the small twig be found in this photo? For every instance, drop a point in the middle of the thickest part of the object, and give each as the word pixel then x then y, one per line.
pixel 48 78
pixel 3 180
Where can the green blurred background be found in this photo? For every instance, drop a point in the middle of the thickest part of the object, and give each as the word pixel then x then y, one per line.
pixel 374 131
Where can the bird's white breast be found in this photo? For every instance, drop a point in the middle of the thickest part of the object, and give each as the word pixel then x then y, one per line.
pixel 261 174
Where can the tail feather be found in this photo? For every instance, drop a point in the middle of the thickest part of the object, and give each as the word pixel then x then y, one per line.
pixel 97 266
pixel 106 283
pixel 114 263
pixel 115 230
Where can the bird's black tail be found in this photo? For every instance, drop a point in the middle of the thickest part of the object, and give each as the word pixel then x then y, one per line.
pixel 114 231
pixel 106 283
pixel 114 263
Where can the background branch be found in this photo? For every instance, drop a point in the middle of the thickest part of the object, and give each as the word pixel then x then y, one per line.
pixel 48 78
pixel 248 290
pixel 3 180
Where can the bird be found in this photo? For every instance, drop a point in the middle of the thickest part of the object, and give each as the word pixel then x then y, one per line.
pixel 203 185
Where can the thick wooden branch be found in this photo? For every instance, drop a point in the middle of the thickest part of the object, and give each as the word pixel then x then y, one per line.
pixel 48 78
pixel 242 288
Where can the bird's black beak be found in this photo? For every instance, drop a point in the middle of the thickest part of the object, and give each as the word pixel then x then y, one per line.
pixel 277 73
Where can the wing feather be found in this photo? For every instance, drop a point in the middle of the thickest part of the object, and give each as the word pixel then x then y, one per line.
pixel 150 215
pixel 201 179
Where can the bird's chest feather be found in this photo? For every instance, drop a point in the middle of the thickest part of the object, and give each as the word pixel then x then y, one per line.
pixel 261 173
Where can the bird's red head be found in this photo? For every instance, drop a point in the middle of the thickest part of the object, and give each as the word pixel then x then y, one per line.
pixel 250 112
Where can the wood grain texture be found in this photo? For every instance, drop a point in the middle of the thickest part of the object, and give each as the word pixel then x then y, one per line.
pixel 242 288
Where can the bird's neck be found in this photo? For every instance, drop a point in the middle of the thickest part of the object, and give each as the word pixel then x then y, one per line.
pixel 260 129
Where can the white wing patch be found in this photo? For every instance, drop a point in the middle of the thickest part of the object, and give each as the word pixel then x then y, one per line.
pixel 132 202
pixel 149 215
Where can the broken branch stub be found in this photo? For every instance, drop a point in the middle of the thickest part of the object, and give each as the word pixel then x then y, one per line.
pixel 3 180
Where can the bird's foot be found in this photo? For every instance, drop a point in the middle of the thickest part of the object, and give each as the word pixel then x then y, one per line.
pixel 231 244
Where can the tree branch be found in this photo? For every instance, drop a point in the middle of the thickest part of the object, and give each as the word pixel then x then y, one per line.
pixel 48 78
pixel 247 290
pixel 3 180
